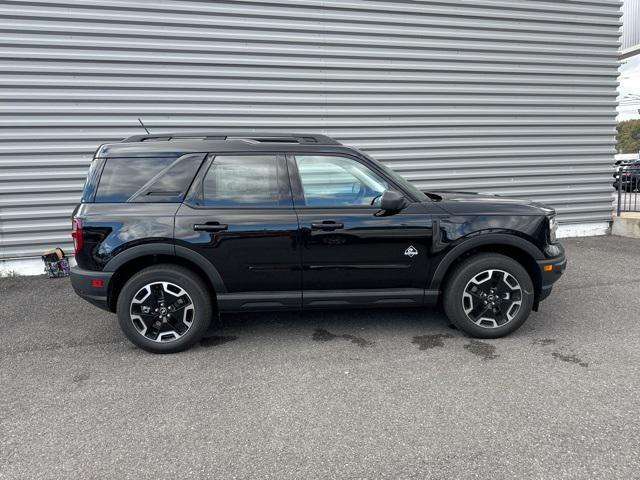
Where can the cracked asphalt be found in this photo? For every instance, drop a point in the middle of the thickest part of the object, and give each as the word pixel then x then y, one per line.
pixel 351 394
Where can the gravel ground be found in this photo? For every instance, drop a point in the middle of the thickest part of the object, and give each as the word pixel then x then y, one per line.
pixel 355 394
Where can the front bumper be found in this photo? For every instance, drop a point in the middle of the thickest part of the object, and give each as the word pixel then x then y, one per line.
pixel 92 286
pixel 551 271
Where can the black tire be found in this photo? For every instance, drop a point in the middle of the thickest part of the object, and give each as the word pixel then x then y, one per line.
pixel 460 279
pixel 186 280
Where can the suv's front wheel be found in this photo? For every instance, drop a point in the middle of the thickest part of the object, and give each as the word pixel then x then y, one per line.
pixel 164 309
pixel 488 295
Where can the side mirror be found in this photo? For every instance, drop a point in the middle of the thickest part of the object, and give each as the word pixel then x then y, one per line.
pixel 392 201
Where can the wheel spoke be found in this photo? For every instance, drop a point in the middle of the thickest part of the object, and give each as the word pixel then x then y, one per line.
pixel 179 326
pixel 159 293
pixel 476 293
pixel 179 304
pixel 501 317
pixel 153 331
pixel 502 288
pixel 496 278
pixel 484 310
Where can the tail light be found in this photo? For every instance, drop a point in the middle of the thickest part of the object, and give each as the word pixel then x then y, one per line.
pixel 76 234
pixel 553 229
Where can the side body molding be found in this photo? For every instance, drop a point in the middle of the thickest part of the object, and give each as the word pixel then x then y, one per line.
pixel 478 241
pixel 168 249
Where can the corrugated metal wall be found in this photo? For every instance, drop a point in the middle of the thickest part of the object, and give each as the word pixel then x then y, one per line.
pixel 631 24
pixel 509 96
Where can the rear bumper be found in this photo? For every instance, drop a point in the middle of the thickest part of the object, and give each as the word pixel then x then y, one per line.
pixel 549 277
pixel 83 282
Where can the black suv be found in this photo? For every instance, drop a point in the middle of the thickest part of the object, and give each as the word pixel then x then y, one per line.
pixel 175 228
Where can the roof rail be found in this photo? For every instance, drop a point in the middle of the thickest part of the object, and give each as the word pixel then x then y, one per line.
pixel 300 138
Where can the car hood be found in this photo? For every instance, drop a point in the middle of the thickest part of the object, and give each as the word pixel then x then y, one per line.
pixel 487 204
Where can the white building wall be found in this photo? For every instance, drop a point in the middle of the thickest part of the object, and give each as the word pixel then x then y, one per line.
pixel 515 97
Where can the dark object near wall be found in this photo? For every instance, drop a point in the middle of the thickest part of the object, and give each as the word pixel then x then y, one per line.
pixel 627 184
pixel 56 264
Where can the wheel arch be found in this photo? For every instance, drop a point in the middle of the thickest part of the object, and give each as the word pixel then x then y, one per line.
pixel 519 249
pixel 136 258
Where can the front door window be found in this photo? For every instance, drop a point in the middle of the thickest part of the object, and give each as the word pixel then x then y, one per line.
pixel 338 182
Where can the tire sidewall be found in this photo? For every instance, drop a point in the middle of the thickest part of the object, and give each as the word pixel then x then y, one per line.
pixel 469 269
pixel 185 280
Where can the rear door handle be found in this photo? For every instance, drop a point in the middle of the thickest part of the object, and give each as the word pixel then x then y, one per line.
pixel 210 227
pixel 327 225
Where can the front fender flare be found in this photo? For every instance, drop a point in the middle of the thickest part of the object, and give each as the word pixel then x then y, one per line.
pixel 478 241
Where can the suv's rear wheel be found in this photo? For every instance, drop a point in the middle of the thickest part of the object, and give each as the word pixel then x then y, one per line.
pixel 164 308
pixel 488 295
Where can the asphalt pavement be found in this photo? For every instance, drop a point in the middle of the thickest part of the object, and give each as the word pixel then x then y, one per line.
pixel 351 394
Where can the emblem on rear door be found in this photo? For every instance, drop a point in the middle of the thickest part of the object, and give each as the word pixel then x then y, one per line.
pixel 411 251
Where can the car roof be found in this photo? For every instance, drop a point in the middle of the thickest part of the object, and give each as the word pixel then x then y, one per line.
pixel 172 144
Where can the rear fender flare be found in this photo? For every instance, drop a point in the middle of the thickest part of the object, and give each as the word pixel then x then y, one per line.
pixel 168 249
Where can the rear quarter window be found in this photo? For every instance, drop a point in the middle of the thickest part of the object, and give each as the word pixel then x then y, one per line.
pixel 162 179
pixel 91 183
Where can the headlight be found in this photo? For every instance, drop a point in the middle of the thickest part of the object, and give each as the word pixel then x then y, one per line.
pixel 553 229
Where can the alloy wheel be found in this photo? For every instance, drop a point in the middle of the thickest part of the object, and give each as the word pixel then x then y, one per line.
pixel 162 311
pixel 492 298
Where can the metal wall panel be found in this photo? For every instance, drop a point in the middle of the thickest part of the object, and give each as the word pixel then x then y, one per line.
pixel 631 25
pixel 515 97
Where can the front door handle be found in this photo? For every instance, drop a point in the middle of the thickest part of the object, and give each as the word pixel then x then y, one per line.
pixel 210 227
pixel 327 225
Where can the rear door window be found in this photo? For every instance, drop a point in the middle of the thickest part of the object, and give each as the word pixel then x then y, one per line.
pixel 245 181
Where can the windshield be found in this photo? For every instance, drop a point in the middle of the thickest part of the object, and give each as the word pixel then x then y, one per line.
pixel 421 197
